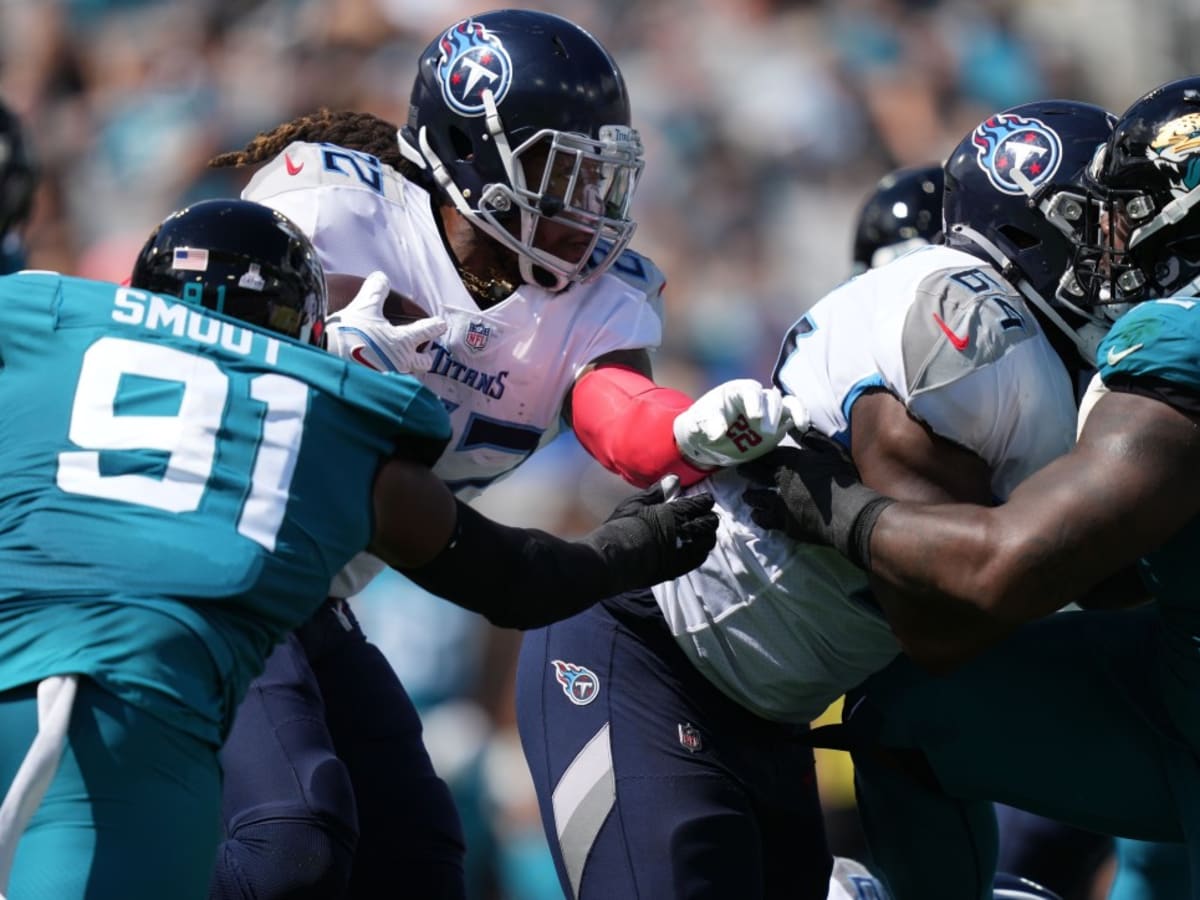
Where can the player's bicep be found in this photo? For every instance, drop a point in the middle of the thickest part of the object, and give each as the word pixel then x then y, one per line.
pixel 1131 482
pixel 415 514
pixel 898 455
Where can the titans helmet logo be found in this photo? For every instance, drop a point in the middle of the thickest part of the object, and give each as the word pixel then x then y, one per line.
pixel 1009 147
pixel 472 61
pixel 1176 148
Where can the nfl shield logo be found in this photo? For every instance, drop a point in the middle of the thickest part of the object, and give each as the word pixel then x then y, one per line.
pixel 689 737
pixel 477 335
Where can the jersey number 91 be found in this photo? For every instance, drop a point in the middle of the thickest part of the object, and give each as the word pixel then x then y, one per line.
pixel 188 438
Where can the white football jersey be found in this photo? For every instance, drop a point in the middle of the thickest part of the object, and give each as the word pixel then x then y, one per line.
pixel 786 628
pixel 504 372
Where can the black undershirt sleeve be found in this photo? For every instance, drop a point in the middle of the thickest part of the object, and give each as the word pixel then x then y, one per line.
pixel 515 577
pixel 1172 393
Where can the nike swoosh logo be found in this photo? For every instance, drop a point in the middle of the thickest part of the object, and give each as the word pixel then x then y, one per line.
pixel 292 168
pixel 1115 357
pixel 357 355
pixel 958 343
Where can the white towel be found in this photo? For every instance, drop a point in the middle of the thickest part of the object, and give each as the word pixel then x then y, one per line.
pixel 55 698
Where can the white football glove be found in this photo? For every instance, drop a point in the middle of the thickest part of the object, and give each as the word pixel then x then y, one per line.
pixel 736 422
pixel 360 332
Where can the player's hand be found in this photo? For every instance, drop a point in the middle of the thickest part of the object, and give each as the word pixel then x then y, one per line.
pixel 813 493
pixel 649 539
pixel 360 332
pixel 736 422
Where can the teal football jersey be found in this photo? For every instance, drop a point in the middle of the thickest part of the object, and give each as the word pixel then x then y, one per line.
pixel 1159 342
pixel 177 490
pixel 1159 339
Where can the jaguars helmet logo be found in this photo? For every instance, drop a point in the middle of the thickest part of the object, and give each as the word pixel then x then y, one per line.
pixel 472 61
pixel 1176 148
pixel 1009 146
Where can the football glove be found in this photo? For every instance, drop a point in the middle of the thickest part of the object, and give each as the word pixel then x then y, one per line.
pixel 814 494
pixel 649 538
pixel 736 422
pixel 360 332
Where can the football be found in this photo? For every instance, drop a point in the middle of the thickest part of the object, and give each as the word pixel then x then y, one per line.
pixel 397 308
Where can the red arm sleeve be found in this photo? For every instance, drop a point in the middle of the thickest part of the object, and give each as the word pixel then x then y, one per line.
pixel 625 421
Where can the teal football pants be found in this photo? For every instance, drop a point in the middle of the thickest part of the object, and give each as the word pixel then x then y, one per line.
pixel 1068 718
pixel 133 811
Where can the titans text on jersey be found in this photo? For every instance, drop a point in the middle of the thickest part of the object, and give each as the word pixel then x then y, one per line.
pixel 445 365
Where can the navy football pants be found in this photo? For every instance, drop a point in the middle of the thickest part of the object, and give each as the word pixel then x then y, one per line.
pixel 329 791
pixel 653 784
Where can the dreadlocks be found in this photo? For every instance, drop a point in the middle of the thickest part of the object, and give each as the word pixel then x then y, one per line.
pixel 353 130
pixel 488 282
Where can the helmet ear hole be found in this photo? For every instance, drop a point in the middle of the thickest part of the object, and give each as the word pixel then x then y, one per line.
pixel 1020 238
pixel 460 141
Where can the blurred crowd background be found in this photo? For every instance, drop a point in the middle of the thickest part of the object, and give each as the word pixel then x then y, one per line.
pixel 766 124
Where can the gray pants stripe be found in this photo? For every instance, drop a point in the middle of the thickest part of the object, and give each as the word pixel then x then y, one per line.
pixel 583 798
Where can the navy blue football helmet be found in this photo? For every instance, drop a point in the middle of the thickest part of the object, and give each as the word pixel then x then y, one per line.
pixel 1014 195
pixel 1147 182
pixel 18 178
pixel 241 259
pixel 520 119
pixel 904 211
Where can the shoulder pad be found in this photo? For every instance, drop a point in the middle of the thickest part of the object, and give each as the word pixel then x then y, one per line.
pixel 40 279
pixel 961 319
pixel 639 272
pixel 1156 339
pixel 305 165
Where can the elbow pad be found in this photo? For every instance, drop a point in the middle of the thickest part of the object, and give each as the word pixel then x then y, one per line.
pixel 626 422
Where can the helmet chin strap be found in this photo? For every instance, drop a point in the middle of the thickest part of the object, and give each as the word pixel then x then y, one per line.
pixel 1086 345
pixel 1170 214
pixel 409 152
pixel 1191 289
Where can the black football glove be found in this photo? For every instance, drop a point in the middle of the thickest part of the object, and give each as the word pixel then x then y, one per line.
pixel 648 539
pixel 813 493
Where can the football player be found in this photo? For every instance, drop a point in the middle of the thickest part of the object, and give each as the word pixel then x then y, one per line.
pixel 502 210
pixel 1045 718
pixel 667 730
pixel 903 212
pixel 18 179
pixel 177 499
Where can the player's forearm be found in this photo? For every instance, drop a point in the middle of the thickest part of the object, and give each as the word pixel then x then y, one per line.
pixel 624 420
pixel 525 578
pixel 515 577
pixel 971 555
